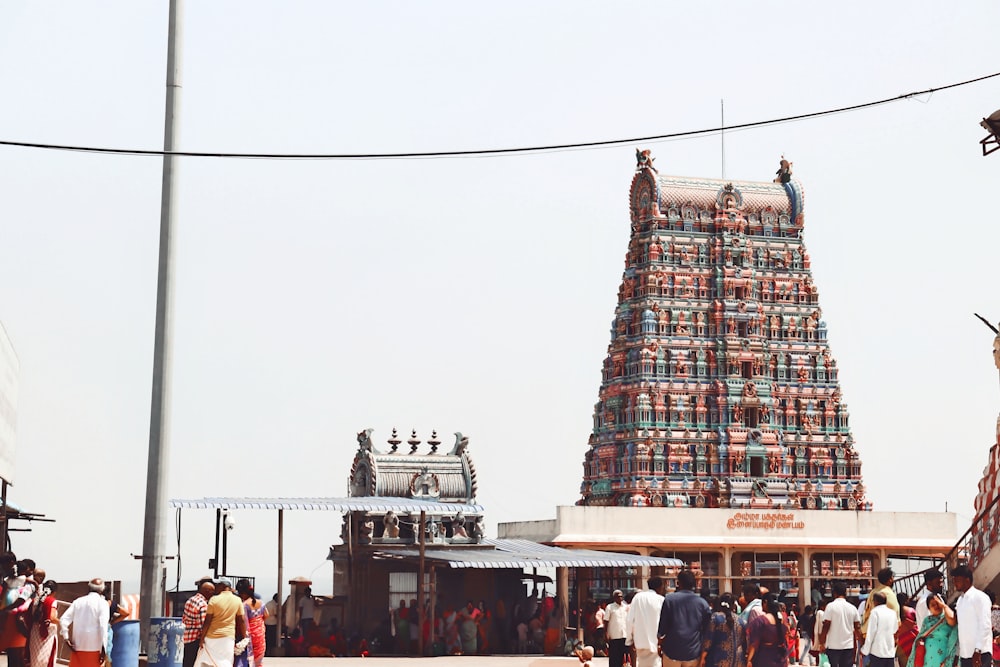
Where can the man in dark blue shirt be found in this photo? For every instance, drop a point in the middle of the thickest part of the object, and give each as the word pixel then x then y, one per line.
pixel 683 619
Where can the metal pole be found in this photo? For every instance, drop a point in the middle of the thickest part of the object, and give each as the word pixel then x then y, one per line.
pixel 281 577
pixel 154 533
pixel 420 585
pixel 433 595
pixel 218 527
pixel 225 545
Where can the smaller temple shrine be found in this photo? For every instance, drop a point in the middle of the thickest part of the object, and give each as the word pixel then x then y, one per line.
pixel 441 477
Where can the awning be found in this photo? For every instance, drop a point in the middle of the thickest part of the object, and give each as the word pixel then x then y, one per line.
pixel 517 554
pixel 359 504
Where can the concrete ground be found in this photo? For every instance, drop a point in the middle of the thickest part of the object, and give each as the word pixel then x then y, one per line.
pixel 446 661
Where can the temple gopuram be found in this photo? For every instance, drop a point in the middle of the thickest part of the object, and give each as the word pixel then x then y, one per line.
pixel 719 388
pixel 984 534
pixel 720 436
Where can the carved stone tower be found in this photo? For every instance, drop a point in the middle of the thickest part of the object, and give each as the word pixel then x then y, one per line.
pixel 719 389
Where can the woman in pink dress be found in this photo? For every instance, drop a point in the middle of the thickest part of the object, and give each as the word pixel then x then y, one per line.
pixel 256 613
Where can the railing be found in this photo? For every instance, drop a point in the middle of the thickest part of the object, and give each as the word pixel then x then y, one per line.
pixel 959 554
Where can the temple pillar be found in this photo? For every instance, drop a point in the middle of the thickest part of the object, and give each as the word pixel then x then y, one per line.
pixel 727 573
pixel 562 594
pixel 806 576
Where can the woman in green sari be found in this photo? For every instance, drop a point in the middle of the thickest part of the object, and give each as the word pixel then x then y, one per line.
pixel 938 635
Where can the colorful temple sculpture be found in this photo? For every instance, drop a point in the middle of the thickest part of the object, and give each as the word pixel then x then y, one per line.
pixel 719 388
pixel 984 534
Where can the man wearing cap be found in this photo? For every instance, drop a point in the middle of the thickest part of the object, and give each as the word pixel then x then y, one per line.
pixel 225 624
pixel 615 615
pixel 195 610
pixel 934 583
pixel 87 617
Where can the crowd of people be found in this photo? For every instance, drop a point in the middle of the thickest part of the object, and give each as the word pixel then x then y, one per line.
pixel 30 622
pixel 533 624
pixel 223 626
pixel 757 629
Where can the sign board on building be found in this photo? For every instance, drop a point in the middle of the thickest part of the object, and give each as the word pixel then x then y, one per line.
pixel 9 369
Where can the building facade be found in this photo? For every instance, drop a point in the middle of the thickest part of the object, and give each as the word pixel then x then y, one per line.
pixel 719 388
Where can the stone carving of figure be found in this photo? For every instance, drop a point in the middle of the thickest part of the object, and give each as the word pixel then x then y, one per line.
pixel 644 160
pixel 803 373
pixel 737 413
pixel 390 522
pixel 365 440
pixel 682 367
pixel 774 325
pixel 458 526
pixel 682 328
pixel 655 250
pixel 365 534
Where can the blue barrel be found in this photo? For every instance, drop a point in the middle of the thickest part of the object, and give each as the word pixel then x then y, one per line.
pixel 165 647
pixel 125 644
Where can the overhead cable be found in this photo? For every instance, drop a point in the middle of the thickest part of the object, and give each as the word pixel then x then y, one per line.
pixel 485 152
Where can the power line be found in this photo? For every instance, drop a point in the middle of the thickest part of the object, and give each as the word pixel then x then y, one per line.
pixel 486 152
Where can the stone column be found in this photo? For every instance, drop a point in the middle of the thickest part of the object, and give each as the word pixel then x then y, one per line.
pixel 806 575
pixel 562 594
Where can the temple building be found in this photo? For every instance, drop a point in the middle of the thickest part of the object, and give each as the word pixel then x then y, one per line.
pixel 720 435
pixel 719 388
pixel 984 534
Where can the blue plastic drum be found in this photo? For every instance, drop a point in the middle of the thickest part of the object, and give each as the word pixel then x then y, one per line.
pixel 165 647
pixel 125 644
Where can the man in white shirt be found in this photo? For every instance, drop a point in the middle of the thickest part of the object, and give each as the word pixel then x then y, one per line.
pixel 934 583
pixel 880 641
pixel 615 617
pixel 87 617
pixel 841 628
pixel 975 629
pixel 271 625
pixel 643 621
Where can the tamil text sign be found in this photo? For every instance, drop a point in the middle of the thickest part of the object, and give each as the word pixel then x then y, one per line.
pixel 765 520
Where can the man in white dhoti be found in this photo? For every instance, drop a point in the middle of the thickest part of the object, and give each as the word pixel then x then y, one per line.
pixel 225 624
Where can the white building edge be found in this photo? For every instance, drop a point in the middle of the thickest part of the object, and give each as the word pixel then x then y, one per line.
pixel 795 551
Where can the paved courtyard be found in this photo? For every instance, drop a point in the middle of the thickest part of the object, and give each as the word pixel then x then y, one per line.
pixel 448 661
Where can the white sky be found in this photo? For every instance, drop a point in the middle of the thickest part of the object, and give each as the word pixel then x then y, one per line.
pixel 315 299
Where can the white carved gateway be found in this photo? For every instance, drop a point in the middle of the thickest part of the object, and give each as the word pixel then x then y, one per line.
pixel 431 475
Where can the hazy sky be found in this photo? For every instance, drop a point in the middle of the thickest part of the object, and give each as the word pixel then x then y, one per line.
pixel 315 299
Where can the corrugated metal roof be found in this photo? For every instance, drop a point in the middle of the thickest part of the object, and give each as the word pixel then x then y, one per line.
pixel 358 504
pixel 517 554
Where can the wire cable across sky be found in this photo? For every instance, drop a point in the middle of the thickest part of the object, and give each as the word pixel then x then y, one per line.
pixel 488 152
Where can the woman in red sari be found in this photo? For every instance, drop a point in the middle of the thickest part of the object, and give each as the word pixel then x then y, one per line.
pixel 256 613
pixel 43 626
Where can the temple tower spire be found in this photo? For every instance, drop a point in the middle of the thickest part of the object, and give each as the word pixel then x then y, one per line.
pixel 719 388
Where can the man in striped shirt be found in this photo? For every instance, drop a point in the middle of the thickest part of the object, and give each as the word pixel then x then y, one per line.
pixel 195 610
